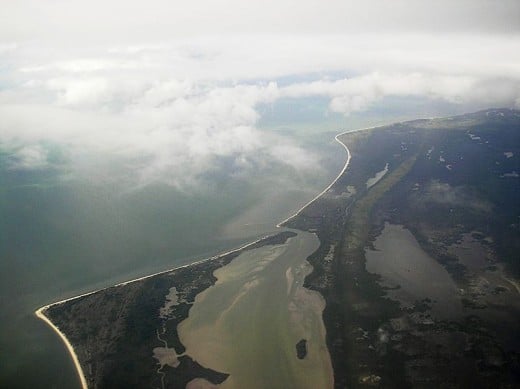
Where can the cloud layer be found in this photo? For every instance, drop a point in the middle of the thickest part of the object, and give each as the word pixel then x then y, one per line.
pixel 178 96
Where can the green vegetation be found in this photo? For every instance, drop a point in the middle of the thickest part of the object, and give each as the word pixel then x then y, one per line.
pixel 358 227
pixel 447 179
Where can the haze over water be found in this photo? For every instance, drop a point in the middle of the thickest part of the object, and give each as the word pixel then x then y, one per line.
pixel 62 237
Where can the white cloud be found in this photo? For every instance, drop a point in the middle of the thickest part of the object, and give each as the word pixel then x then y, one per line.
pixel 86 65
pixel 178 110
pixel 358 93
pixel 173 131
pixel 79 92
pixel 29 157
pixel 6 47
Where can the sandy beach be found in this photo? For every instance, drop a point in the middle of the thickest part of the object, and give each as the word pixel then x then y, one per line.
pixel 40 313
pixel 347 162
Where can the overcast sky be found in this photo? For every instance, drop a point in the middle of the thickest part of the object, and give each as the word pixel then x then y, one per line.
pixel 129 20
pixel 178 84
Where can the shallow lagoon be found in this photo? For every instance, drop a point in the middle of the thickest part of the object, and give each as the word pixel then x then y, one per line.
pixel 249 322
pixel 404 265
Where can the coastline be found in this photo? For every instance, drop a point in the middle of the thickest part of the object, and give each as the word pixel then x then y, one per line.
pixel 332 277
pixel 336 138
pixel 40 315
pixel 40 312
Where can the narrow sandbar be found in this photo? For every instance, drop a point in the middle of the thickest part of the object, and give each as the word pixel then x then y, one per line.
pixel 40 313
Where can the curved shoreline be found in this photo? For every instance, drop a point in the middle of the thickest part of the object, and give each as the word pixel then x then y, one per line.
pixel 40 315
pixel 40 312
pixel 336 138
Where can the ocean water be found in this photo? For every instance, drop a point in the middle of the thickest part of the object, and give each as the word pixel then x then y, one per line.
pixel 62 234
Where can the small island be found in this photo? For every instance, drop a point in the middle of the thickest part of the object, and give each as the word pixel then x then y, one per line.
pixel 301 348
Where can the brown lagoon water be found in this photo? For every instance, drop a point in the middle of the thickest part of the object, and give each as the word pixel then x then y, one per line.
pixel 249 322
pixel 401 261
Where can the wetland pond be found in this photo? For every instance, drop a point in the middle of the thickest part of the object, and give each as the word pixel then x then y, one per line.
pixel 411 274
